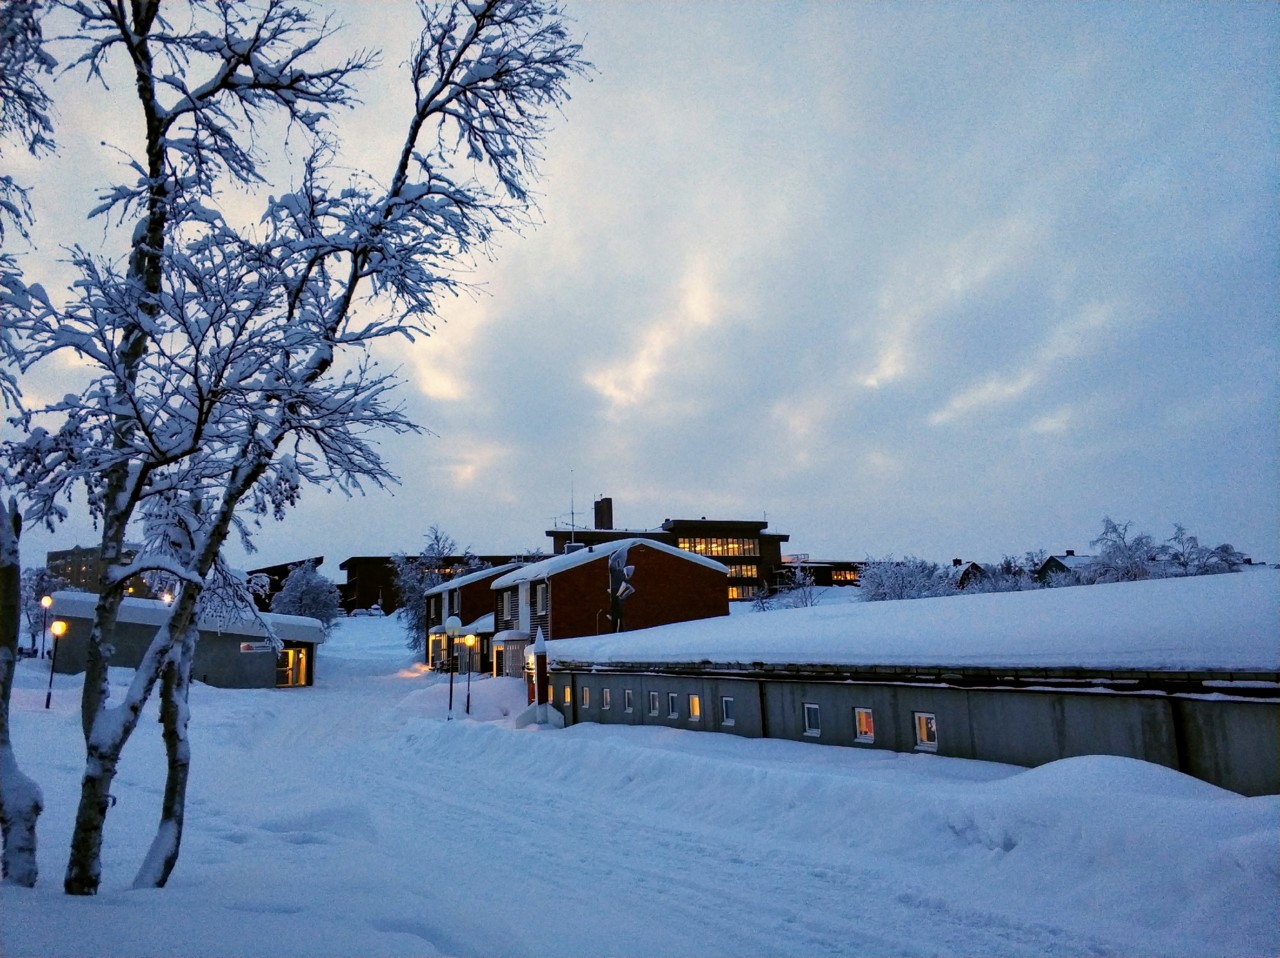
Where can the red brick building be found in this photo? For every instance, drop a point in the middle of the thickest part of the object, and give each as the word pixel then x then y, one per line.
pixel 614 586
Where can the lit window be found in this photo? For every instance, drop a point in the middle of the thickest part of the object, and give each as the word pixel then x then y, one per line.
pixel 568 695
pixel 653 703
pixel 812 720
pixel 926 731
pixel 626 700
pixel 695 708
pixel 605 697
pixel 864 725
pixel 673 705
pixel 726 710
pixel 586 697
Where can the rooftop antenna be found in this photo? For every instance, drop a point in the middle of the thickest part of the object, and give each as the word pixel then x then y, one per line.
pixel 573 524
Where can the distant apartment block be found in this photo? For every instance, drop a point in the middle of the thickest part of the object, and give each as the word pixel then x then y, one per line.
pixel 81 568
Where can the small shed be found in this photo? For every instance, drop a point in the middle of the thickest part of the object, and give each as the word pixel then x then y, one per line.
pixel 239 655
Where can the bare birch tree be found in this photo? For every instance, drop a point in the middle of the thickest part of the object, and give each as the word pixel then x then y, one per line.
pixel 229 370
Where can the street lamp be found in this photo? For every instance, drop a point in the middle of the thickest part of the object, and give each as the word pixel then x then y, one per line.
pixel 452 626
pixel 471 641
pixel 44 622
pixel 58 629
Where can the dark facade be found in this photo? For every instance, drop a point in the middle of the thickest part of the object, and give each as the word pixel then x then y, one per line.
pixel 371 580
pixel 1223 728
pixel 752 555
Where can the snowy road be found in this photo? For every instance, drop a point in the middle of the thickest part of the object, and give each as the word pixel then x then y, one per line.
pixel 352 819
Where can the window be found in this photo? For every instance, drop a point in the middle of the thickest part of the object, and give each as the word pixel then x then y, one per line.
pixel 586 697
pixel 673 705
pixel 605 697
pixel 744 570
pixel 540 597
pixel 695 708
pixel 864 726
pixel 508 605
pixel 726 710
pixel 626 700
pixel 716 547
pixel 844 575
pixel 926 731
pixel 742 592
pixel 653 703
pixel 812 720
pixel 568 695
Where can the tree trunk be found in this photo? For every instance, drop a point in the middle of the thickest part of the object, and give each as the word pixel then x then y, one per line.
pixel 109 732
pixel 174 716
pixel 20 799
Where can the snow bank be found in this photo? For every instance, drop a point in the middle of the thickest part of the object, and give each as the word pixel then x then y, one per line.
pixel 352 818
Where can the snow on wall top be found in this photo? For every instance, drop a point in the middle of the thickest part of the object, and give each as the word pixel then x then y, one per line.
pixel 549 567
pixel 470 577
pixel 1217 622
pixel 289 628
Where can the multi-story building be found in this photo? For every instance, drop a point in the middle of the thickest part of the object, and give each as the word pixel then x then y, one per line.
pixel 752 555
pixel 81 568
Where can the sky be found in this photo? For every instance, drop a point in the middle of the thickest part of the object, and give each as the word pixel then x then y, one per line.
pixel 951 280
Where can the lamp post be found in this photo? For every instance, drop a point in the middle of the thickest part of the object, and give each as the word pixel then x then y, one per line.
pixel 471 641
pixel 452 626
pixel 44 622
pixel 58 629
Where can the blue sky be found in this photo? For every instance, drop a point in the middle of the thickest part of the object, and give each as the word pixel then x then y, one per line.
pixel 950 279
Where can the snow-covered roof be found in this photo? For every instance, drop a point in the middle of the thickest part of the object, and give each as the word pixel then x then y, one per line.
pixel 548 567
pixel 289 628
pixel 483 624
pixel 510 635
pixel 1218 622
pixel 1073 562
pixel 478 576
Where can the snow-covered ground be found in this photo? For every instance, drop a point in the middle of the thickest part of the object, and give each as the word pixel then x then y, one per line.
pixel 353 819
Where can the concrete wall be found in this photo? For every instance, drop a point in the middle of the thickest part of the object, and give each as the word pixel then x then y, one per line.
pixel 1233 744
pixel 218 659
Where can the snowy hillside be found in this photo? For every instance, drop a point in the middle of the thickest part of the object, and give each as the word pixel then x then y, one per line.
pixel 353 819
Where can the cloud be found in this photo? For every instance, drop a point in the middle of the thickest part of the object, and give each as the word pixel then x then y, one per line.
pixel 1071 339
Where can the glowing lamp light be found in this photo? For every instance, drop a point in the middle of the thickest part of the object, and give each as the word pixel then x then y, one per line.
pixel 59 629
pixel 46 602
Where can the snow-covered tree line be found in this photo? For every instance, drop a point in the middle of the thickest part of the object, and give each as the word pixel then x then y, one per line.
pixel 1122 556
pixel 228 365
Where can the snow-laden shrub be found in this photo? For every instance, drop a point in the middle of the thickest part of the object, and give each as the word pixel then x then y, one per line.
pixel 306 592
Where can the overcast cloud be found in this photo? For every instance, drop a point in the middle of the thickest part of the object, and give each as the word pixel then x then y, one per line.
pixel 953 279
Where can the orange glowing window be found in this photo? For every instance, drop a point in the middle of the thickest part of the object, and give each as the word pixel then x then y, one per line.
pixel 864 725
pixel 695 708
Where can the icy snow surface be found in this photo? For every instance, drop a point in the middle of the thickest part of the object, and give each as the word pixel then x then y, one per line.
pixel 353 819
pixel 1205 622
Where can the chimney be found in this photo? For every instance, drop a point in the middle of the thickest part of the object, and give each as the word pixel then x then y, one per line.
pixel 604 513
pixel 955 563
pixel 1071 552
